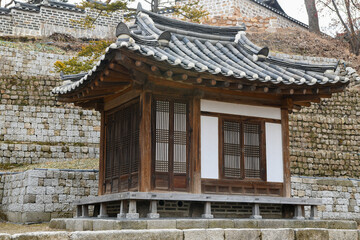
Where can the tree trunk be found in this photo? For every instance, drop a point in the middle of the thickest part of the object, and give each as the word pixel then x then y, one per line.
pixel 155 6
pixel 313 16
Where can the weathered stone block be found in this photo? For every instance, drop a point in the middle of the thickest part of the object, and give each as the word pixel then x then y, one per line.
pixel 221 223
pixel 311 234
pixel 4 236
pixel 36 217
pixel 277 234
pixel 245 223
pixel 41 236
pixel 343 234
pixel 248 234
pixel 129 234
pixel 338 224
pixel 161 224
pixel 101 224
pixel 191 223
pixel 58 223
pixel 206 234
pixel 129 224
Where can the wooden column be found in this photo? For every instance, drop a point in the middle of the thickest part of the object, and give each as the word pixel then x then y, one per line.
pixel 195 171
pixel 101 190
pixel 286 152
pixel 145 142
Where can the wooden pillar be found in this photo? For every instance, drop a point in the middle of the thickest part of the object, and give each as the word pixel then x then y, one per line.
pixel 103 211
pixel 207 211
pixel 256 211
pixel 195 171
pixel 286 153
pixel 153 210
pixel 101 190
pixel 145 142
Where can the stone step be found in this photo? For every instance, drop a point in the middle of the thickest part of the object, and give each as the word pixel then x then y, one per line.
pixel 195 234
pixel 95 224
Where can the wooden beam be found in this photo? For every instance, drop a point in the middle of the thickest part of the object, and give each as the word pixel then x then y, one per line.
pixel 126 97
pixel 118 68
pixel 287 105
pixel 180 77
pixel 304 104
pixel 155 70
pixel 145 142
pixel 168 74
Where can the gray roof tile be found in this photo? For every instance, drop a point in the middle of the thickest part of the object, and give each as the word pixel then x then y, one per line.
pixel 215 50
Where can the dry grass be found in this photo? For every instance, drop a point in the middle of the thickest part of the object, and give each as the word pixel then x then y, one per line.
pixel 74 164
pixel 12 228
pixel 292 41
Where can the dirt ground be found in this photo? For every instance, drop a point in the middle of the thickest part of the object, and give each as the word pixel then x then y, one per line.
pixel 12 228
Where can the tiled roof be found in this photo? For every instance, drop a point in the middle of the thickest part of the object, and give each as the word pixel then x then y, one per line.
pixel 4 11
pixel 63 6
pixel 220 51
pixel 27 6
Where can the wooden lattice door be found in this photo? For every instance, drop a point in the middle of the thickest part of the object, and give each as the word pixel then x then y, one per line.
pixel 170 145
pixel 122 148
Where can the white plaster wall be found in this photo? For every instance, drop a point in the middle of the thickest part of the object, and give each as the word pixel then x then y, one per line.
pixel 274 157
pixel 240 109
pixel 209 147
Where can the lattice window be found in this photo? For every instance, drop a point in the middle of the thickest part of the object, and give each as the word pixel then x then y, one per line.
pixel 180 141
pixel 252 150
pixel 171 142
pixel 232 149
pixel 242 149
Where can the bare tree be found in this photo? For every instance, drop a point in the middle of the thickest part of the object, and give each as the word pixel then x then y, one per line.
pixel 347 14
pixel 312 15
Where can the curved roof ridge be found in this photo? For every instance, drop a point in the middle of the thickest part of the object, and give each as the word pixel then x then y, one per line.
pixel 193 27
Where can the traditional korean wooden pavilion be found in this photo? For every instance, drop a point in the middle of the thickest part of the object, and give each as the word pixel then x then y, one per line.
pixel 193 112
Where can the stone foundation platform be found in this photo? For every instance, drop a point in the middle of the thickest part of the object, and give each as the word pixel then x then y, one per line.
pixel 95 224
pixel 195 234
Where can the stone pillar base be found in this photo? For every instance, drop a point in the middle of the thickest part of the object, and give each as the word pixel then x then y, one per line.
pixel 132 216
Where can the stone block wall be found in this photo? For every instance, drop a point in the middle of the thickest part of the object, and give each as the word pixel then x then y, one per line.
pixel 39 195
pixel 5 25
pixel 49 19
pixel 341 197
pixel 253 15
pixel 34 126
pixel 325 138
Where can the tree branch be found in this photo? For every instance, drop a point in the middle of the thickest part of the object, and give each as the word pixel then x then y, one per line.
pixel 339 15
pixel 11 2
